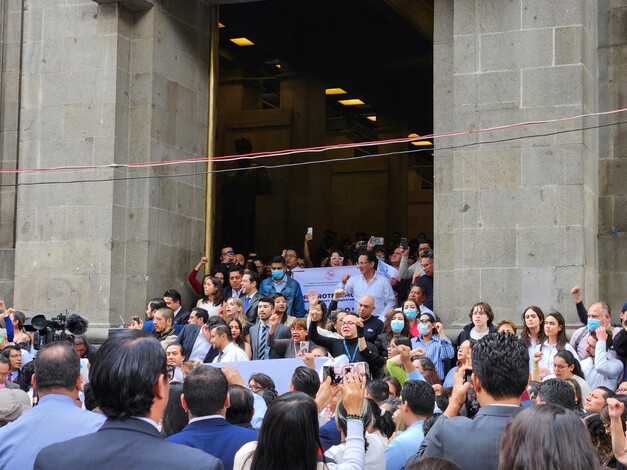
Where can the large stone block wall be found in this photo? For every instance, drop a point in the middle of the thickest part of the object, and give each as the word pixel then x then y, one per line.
pixel 516 220
pixel 10 41
pixel 106 85
pixel 612 53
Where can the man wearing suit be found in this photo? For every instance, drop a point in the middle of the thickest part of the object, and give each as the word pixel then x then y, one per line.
pixel 129 379
pixel 205 397
pixel 56 417
pixel 251 298
pixel 235 283
pixel 4 374
pixel 196 341
pixel 14 355
pixel 259 333
pixel 500 372
pixel 173 300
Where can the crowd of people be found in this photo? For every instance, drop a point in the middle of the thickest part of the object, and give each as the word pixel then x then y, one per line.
pixel 380 386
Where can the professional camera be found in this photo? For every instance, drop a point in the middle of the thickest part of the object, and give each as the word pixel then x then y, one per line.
pixel 59 328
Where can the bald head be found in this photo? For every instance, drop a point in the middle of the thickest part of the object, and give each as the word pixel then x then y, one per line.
pixel 57 367
pixel 601 312
pixel 366 306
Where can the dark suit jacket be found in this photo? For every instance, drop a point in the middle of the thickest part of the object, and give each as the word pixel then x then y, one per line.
pixel 251 311
pixel 216 437
pixel 182 317
pixel 478 449
pixel 124 443
pixel 228 292
pixel 187 338
pixel 282 332
pixel 20 382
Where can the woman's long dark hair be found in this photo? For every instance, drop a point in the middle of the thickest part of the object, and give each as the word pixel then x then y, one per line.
pixel 561 335
pixel 387 326
pixel 545 437
pixel 571 361
pixel 525 335
pixel 240 339
pixel 381 419
pixel 218 297
pixel 340 419
pixel 174 417
pixel 292 414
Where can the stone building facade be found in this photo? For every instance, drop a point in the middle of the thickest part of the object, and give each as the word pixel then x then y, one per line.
pixel 113 83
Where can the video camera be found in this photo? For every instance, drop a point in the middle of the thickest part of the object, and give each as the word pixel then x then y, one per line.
pixel 55 329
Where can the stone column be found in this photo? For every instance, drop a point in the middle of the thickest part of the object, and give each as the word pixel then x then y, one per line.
pixel 10 40
pixel 515 221
pixel 110 85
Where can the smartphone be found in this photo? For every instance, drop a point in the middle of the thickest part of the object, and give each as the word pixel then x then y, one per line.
pixel 310 231
pixel 377 240
pixel 404 243
pixel 135 318
pixel 471 402
pixel 330 371
pixel 304 348
pixel 171 370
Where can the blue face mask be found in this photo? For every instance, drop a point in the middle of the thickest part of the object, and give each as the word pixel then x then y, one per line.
pixel 411 313
pixel 593 324
pixel 277 274
pixel 397 325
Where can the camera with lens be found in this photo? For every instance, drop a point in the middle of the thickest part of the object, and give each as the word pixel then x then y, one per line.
pixel 59 328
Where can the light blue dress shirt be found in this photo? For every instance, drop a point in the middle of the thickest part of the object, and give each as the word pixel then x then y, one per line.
pixel 56 418
pixel 404 446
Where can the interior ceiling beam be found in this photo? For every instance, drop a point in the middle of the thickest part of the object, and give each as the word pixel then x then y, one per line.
pixel 419 13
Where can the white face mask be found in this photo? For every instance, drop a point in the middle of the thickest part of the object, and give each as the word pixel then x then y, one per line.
pixel 423 329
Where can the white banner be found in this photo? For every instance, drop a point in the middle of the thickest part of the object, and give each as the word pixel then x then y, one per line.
pixel 281 370
pixel 325 281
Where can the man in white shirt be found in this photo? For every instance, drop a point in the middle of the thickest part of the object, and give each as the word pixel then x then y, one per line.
pixel 369 283
pixel 601 368
pixel 222 340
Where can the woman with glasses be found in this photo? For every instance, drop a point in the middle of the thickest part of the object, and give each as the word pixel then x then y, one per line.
pixel 352 344
pixel 433 340
pixel 297 345
pixel 622 388
pixel 565 366
pixel 464 353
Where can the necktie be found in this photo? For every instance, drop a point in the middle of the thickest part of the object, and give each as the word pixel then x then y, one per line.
pixel 220 356
pixel 262 342
pixel 246 303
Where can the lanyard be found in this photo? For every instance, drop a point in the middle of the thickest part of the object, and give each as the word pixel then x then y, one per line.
pixel 351 358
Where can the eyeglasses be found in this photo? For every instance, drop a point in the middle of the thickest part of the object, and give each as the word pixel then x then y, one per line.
pixel 342 323
pixel 361 263
pixel 560 366
pixel 426 265
pixel 621 390
pixel 425 321
pixel 290 256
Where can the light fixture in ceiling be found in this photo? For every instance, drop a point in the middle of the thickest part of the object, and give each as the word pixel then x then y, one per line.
pixel 242 42
pixel 419 143
pixel 351 102
pixel 334 91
